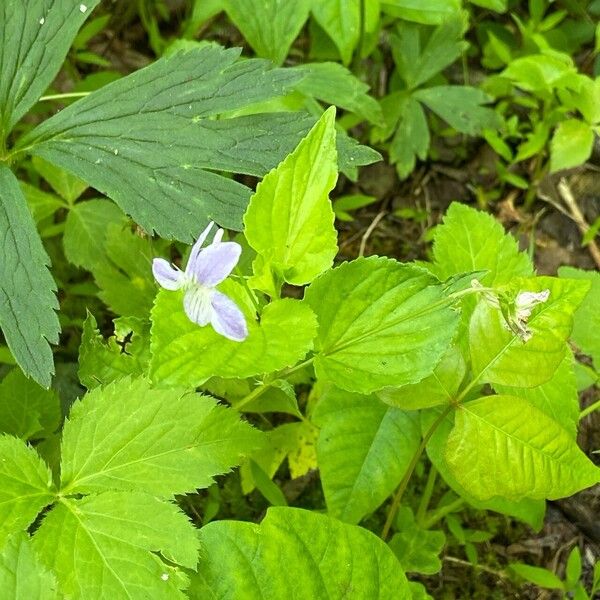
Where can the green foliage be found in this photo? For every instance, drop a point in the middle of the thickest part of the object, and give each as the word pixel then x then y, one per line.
pixel 363 451
pixel 380 324
pixel 322 556
pixel 177 343
pixel 491 432
pixel 27 307
pixel 289 221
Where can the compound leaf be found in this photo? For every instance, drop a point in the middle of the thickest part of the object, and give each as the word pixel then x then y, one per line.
pixel 324 558
pixel 25 485
pixel 27 300
pixel 22 575
pixel 380 324
pixel 107 546
pixel 128 436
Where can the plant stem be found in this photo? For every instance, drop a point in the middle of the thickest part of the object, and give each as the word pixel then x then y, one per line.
pixel 64 96
pixel 426 497
pixel 589 410
pixel 411 467
pixel 440 513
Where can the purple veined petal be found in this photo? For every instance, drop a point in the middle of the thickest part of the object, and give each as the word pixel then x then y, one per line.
pixel 197 247
pixel 227 318
pixel 197 305
pixel 215 263
pixel 167 276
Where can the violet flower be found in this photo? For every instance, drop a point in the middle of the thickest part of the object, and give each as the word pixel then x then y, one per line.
pixel 206 268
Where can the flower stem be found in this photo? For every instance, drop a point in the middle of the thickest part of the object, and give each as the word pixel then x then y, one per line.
pixel 440 513
pixel 411 467
pixel 427 493
pixel 588 410
pixel 64 96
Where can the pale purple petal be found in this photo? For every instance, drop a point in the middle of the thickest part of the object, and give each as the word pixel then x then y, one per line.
pixel 215 263
pixel 197 247
pixel 197 305
pixel 167 276
pixel 218 236
pixel 227 318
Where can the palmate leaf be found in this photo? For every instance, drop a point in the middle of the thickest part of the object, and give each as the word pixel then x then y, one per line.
pixel 363 450
pixel 22 575
pixel 150 140
pixel 289 221
pixel 380 324
pixel 322 558
pixel 35 36
pixel 25 485
pixel 185 354
pixel 500 356
pixel 107 546
pixel 128 436
pixel 503 445
pixel 27 301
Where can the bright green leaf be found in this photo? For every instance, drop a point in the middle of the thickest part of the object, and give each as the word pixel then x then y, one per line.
pixel 289 221
pixel 35 37
pixel 25 485
pixel 108 546
pixel 496 5
pixel 86 231
pixel 27 301
pixel 340 19
pixel 22 575
pixel 470 240
pixel 571 145
pixel 439 388
pixel 586 323
pixel 283 337
pixel 428 12
pixel 461 107
pixel 41 204
pixel 128 436
pixel 27 410
pixel 323 558
pixel 269 26
pixel 538 576
pixel 380 324
pixel 127 352
pixel 500 356
pixel 526 510
pixel 503 445
pixel 557 397
pixel 364 449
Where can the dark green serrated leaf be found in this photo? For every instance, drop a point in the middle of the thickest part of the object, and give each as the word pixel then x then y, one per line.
pixel 35 36
pixel 27 300
pixel 150 140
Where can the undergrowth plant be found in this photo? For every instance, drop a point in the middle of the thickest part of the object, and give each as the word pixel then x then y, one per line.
pixel 251 347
